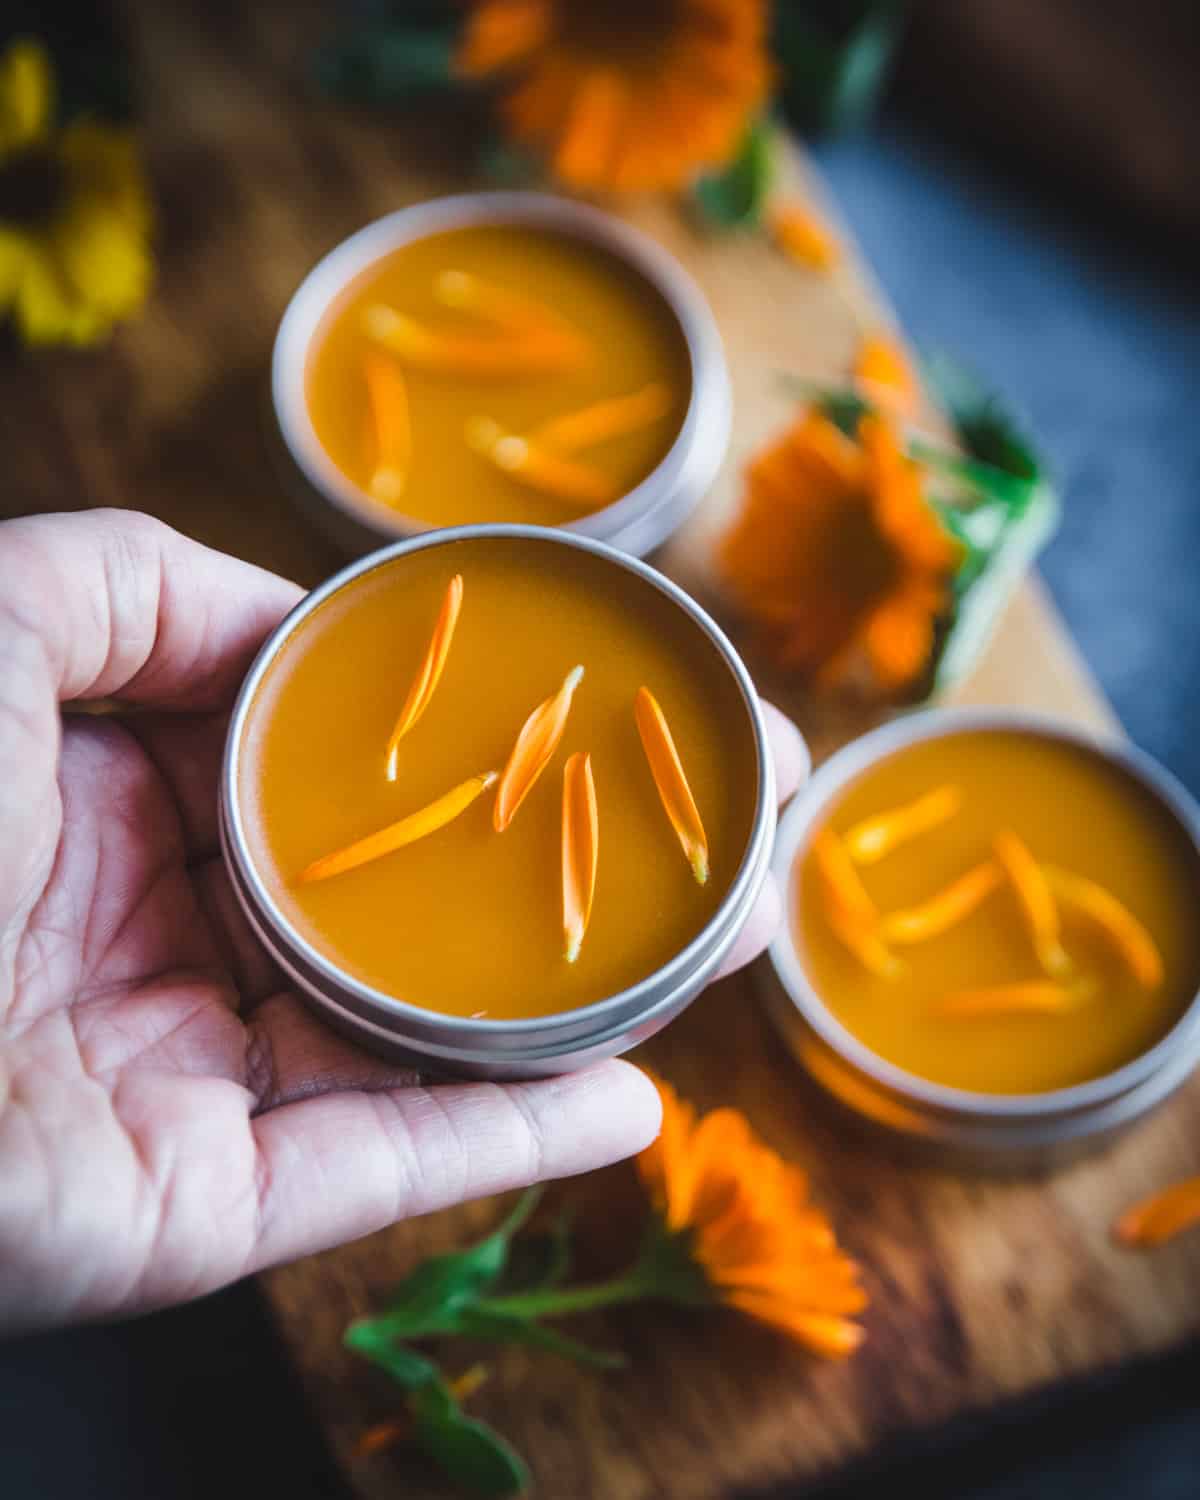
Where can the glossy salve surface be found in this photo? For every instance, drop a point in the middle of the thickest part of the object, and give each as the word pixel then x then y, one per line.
pixel 1074 809
pixel 468 922
pixel 632 336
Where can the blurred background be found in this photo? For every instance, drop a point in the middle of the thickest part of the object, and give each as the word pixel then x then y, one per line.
pixel 1022 175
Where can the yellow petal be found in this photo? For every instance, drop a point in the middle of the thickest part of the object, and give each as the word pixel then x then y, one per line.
pixel 580 845
pixel 395 836
pixel 1036 900
pixel 26 95
pixel 604 420
pixel 539 738
pixel 876 837
pixel 1160 1217
pixel 941 912
pixel 429 672
pixel 672 783
pixel 1128 935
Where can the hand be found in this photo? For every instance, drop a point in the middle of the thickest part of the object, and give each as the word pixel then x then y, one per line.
pixel 171 1117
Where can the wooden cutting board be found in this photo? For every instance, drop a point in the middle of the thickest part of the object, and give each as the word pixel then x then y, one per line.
pixel 979 1290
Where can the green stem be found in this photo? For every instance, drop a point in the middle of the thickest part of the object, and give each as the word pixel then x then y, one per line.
pixel 560 1302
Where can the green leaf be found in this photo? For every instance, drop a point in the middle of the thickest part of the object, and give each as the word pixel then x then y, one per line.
pixel 407 1368
pixel 539 1262
pixel 426 1303
pixel 1003 511
pixel 480 1322
pixel 833 77
pixel 986 429
pixel 469 1451
pixel 734 197
pixel 388 62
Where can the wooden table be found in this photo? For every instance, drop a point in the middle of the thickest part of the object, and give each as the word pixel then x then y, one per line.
pixel 979 1290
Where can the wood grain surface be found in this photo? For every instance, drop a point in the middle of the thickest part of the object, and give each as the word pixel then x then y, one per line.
pixel 979 1289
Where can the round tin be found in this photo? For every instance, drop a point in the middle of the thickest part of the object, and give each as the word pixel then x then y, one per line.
pixel 636 523
pixel 497 1049
pixel 999 1132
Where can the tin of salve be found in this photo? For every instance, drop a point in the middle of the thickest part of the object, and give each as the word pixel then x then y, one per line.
pixel 970 1051
pixel 428 345
pixel 448 953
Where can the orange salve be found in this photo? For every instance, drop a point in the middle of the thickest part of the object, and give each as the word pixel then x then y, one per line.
pixel 956 974
pixel 465 920
pixel 502 331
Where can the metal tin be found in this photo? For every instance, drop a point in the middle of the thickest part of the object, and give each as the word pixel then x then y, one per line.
pixel 498 1049
pixel 636 523
pixel 998 1132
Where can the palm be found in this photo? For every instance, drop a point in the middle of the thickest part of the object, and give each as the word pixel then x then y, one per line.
pixel 124 1022
pixel 170 1116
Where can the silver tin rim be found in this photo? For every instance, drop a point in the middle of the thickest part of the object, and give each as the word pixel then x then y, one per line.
pixel 999 1110
pixel 455 1038
pixel 641 519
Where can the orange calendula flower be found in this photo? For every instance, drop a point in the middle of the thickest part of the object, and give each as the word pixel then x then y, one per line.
pixel 884 373
pixel 739 1228
pixel 624 96
pixel 1159 1218
pixel 839 556
pixel 803 237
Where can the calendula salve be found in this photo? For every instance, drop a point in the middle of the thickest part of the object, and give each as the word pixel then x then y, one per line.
pixel 994 918
pixel 501 357
pixel 498 799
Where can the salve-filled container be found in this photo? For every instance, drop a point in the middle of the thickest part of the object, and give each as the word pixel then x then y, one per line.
pixel 499 357
pixel 498 678
pixel 992 944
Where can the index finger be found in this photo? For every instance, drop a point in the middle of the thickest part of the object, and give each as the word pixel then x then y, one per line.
pixel 120 605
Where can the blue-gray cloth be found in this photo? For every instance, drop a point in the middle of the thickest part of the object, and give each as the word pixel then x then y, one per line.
pixel 1101 348
pixel 1096 342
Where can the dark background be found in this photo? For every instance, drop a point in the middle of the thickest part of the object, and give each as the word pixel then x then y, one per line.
pixel 1029 197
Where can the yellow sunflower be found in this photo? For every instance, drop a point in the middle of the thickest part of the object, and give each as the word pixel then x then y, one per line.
pixel 632 95
pixel 74 213
pixel 839 556
pixel 744 1220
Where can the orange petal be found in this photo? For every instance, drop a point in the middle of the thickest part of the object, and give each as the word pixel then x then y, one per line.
pixel 1036 899
pixel 580 845
pixel 1128 935
pixel 1159 1218
pixel 383 1435
pixel 429 672
pixel 800 234
pixel 1034 997
pixel 672 784
pixel 467 354
pixel 883 368
pixel 501 33
pixel 396 835
pixel 387 397
pixel 871 839
pixel 831 1336
pixel 508 311
pixel 563 478
pixel 842 879
pixel 604 420
pixel 950 906
pixel 536 743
